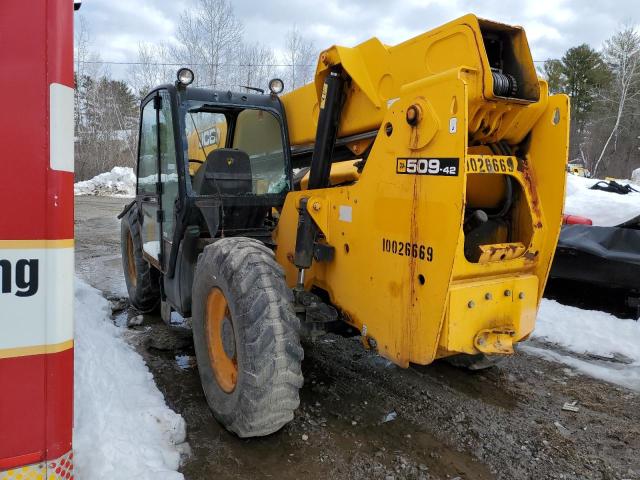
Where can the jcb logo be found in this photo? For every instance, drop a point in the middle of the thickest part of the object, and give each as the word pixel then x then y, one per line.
pixel 26 277
pixel 210 137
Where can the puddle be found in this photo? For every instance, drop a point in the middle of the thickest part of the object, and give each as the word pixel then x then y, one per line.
pixel 121 319
pixel 185 362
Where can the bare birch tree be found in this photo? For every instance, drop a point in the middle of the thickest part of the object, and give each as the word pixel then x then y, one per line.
pixel 154 66
pixel 210 37
pixel 622 54
pixel 300 57
pixel 257 66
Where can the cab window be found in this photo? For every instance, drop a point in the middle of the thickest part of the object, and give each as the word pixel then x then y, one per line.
pixel 148 162
pixel 205 132
pixel 168 166
pixel 258 133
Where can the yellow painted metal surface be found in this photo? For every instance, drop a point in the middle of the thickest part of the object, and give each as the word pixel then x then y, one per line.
pixel 379 73
pixel 495 341
pixel 499 252
pixel 498 304
pixel 400 272
pixel 341 172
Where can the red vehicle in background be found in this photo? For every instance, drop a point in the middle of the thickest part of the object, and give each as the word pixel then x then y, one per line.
pixel 575 220
pixel 36 239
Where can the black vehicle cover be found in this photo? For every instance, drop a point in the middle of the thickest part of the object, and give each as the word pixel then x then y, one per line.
pixel 609 256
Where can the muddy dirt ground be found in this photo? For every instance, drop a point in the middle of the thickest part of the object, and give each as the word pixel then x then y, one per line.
pixel 362 417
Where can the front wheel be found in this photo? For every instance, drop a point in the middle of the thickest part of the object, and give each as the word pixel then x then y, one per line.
pixel 142 280
pixel 246 337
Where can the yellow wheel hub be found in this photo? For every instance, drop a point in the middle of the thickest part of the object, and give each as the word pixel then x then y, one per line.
pixel 221 340
pixel 131 262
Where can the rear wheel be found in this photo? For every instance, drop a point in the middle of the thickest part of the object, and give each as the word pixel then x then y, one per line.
pixel 246 337
pixel 142 280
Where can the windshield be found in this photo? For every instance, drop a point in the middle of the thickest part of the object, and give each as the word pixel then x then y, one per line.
pixel 258 133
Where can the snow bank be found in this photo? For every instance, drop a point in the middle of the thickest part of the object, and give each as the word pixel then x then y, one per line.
pixel 122 426
pixel 119 182
pixel 591 332
pixel 588 331
pixel 604 208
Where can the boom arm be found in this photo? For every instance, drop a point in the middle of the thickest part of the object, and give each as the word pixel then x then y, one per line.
pixel 498 55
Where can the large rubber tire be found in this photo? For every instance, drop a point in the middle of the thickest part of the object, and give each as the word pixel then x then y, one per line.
pixel 267 351
pixel 143 280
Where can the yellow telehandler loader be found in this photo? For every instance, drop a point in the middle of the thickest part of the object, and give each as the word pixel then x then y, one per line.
pixel 412 192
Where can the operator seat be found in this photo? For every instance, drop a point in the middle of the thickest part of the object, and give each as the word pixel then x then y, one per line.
pixel 227 171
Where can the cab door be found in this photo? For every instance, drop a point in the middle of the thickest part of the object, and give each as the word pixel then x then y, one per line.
pixel 168 175
pixel 149 180
pixel 157 178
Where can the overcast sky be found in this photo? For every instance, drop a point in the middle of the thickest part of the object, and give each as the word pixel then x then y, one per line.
pixel 552 26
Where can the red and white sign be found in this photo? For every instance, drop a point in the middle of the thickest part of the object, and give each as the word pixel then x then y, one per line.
pixel 36 238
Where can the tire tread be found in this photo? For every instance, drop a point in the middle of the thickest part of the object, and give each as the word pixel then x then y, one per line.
pixel 272 371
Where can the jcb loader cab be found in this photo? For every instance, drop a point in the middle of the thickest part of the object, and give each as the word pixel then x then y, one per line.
pixel 213 167
pixel 424 213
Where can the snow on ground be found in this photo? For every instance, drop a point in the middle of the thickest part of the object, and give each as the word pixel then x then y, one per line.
pixel 122 427
pixel 610 344
pixel 119 182
pixel 605 209
pixel 588 331
pixel 624 375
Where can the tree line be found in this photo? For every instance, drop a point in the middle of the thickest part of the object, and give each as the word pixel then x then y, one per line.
pixel 209 39
pixel 604 86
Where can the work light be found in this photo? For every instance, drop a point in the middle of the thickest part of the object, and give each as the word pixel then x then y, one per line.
pixel 276 86
pixel 185 77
